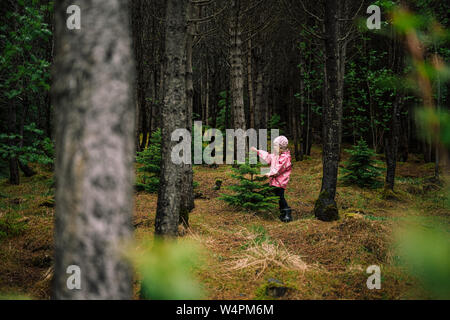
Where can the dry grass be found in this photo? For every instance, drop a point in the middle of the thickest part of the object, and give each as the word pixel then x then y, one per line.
pixel 264 256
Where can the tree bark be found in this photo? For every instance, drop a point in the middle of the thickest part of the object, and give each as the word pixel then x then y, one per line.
pixel 187 194
pixel 173 116
pixel 325 207
pixel 14 177
pixel 236 76
pixel 391 138
pixel 259 109
pixel 93 95
pixel 251 101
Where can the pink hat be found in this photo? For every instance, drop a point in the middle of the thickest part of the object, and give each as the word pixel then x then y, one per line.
pixel 282 141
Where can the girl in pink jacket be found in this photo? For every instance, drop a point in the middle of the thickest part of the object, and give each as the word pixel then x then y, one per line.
pixel 280 172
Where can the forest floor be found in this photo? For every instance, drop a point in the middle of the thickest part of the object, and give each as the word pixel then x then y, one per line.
pixel 314 259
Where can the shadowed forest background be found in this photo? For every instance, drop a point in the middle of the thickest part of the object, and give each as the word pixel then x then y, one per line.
pixel 87 177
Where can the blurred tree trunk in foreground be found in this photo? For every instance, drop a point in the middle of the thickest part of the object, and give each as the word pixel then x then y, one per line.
pixel 92 94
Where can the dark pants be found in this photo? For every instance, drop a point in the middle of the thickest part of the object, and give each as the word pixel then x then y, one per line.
pixel 282 202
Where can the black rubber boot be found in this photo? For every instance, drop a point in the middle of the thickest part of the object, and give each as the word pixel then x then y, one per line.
pixel 285 215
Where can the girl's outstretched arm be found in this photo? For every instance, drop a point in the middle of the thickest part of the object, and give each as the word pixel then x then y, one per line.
pixel 267 157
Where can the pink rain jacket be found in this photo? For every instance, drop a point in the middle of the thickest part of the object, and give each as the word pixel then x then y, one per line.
pixel 280 167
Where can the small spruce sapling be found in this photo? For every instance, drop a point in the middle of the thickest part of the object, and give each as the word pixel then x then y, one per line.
pixel 150 159
pixel 250 193
pixel 360 168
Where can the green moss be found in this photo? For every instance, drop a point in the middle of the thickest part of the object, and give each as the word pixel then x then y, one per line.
pixel 324 212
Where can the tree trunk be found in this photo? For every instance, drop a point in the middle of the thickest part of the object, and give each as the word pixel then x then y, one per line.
pixel 207 93
pixel 325 207
pixel 173 116
pixel 187 194
pixel 391 138
pixel 259 112
pixel 93 96
pixel 438 103
pixel 299 117
pixel 236 75
pixel 27 170
pixel 251 101
pixel 294 122
pixel 14 177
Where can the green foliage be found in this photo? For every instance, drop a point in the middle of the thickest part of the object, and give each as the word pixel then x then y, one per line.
pixel 431 119
pixel 360 169
pixel 11 225
pixel 25 76
pixel 312 74
pixel 371 88
pixel 23 70
pixel 150 159
pixel 250 193
pixel 166 271
pixel 223 110
pixel 425 250
pixel 36 147
pixel 276 123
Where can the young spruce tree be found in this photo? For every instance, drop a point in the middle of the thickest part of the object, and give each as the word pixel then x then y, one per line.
pixel 360 169
pixel 250 193
pixel 150 158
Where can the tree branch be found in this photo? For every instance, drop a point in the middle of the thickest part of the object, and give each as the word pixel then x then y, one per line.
pixel 310 13
pixel 208 18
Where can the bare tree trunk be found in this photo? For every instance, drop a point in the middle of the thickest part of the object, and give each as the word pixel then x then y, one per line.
pixel 207 89
pixel 93 95
pixel 259 109
pixel 391 136
pixel 250 85
pixel 236 76
pixel 14 177
pixel 173 116
pixel 298 121
pixel 391 144
pixel 27 170
pixel 294 124
pixel 438 102
pixel 187 194
pixel 325 207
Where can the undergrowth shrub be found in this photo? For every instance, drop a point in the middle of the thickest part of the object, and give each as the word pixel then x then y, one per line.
pixel 250 193
pixel 360 168
pixel 150 159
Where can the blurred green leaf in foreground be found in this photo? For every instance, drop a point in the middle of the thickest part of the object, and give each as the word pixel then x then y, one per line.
pixel 166 270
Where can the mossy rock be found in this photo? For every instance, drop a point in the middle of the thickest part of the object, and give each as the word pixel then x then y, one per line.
pixel 272 288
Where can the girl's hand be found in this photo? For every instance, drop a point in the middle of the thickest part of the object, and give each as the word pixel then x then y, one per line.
pixel 253 149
